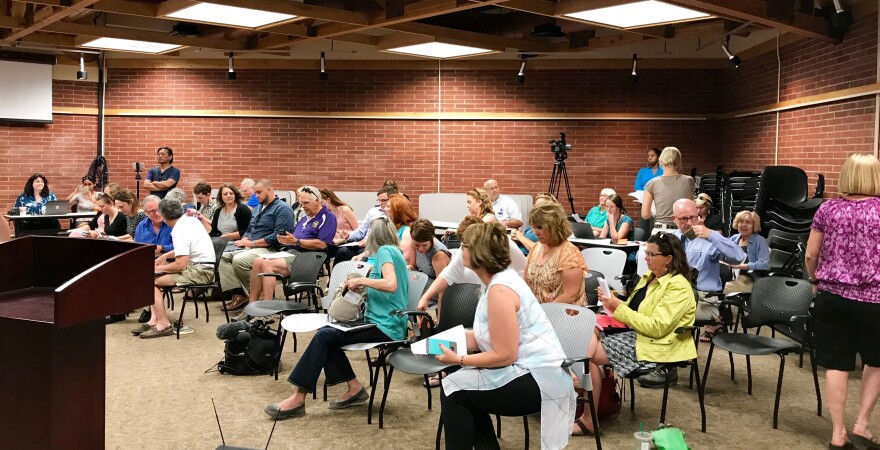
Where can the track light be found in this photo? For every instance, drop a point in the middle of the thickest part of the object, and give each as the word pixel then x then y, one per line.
pixel 81 74
pixel 734 60
pixel 839 21
pixel 634 76
pixel 521 76
pixel 323 74
pixel 230 75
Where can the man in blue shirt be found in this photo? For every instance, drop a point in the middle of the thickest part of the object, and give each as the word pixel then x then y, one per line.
pixel 162 178
pixel 271 217
pixel 154 231
pixel 360 234
pixel 247 190
pixel 653 170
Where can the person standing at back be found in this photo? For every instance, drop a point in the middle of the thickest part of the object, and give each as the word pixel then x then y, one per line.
pixel 164 177
pixel 842 259
pixel 665 190
pixel 646 174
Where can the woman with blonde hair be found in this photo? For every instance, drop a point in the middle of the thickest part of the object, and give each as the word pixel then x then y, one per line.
pixel 842 258
pixel 665 190
pixel 556 269
pixel 748 223
pixel 478 204
pixel 527 239
pixel 130 207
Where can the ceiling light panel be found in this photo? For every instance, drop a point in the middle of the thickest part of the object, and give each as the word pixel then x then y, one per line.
pixel 639 14
pixel 229 15
pixel 440 50
pixel 128 45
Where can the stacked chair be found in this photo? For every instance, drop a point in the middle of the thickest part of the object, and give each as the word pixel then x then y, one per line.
pixel 783 202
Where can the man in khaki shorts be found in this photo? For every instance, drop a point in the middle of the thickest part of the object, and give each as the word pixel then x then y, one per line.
pixel 193 258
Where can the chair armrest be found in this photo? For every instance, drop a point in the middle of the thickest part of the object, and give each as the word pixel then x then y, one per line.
pixel 568 362
pixel 273 275
pixel 413 315
pixel 296 288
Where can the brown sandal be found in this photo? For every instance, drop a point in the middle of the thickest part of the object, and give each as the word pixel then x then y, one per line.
pixel 585 430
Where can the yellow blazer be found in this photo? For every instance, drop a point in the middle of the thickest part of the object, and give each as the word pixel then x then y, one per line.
pixel 669 303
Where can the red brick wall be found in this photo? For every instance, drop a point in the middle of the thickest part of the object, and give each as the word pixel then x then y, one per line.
pixel 817 138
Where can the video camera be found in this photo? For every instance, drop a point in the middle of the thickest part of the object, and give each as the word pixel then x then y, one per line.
pixel 560 148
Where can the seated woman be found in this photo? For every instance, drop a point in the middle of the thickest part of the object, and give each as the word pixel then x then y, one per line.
pixel 662 301
pixel 34 198
pixel 597 215
pixel 130 207
pixel 346 221
pixel 231 215
pixel 313 232
pixel 556 269
pixel 704 206
pixel 83 198
pixel 518 368
pixel 111 189
pixel 387 290
pixel 527 238
pixel 478 204
pixel 108 222
pixel 401 213
pixel 748 223
pixel 618 225
pixel 431 255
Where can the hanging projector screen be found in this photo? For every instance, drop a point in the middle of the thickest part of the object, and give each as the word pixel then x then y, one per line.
pixel 25 92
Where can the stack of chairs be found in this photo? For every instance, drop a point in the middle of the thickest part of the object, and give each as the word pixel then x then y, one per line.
pixel 783 202
pixel 740 194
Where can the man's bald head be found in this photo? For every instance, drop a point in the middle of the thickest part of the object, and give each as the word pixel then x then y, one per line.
pixel 684 207
pixel 491 187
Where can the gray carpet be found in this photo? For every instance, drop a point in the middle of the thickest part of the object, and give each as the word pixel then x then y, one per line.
pixel 159 396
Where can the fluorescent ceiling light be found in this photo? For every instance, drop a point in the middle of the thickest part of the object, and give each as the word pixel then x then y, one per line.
pixel 128 45
pixel 639 14
pixel 440 50
pixel 229 15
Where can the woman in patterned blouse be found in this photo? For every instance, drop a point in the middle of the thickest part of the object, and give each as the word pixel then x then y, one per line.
pixel 556 269
pixel 36 194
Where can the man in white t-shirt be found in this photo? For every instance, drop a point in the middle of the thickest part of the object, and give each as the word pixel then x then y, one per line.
pixel 193 263
pixel 506 210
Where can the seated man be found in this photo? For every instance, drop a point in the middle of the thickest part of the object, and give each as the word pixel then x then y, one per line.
pixel 506 210
pixel 360 234
pixel 192 250
pixel 154 231
pixel 271 217
pixel 247 190
pixel 313 232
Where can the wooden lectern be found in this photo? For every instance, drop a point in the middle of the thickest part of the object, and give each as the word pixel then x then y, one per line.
pixel 54 295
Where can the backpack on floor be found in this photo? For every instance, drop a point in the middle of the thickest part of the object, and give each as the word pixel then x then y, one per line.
pixel 251 353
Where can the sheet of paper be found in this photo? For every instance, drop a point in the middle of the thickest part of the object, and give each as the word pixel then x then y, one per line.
pixel 453 334
pixel 577 218
pixel 638 195
pixel 277 255
pixel 350 244
pixel 302 323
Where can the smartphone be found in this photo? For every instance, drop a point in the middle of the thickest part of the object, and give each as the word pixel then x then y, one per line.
pixel 690 234
pixel 603 285
pixel 509 231
pixel 283 233
pixel 434 346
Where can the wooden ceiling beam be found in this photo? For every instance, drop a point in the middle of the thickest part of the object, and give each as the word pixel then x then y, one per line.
pixel 471 38
pixel 756 11
pixel 49 17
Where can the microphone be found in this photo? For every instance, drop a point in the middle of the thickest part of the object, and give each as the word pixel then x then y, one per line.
pixel 243 337
pixel 229 331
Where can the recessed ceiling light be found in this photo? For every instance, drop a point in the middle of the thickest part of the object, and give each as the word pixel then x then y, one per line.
pixel 440 50
pixel 128 45
pixel 229 15
pixel 639 14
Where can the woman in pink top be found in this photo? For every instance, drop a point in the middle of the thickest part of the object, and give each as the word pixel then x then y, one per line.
pixel 345 219
pixel 843 259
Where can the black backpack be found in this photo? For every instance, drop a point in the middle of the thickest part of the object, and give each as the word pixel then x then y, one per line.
pixel 251 357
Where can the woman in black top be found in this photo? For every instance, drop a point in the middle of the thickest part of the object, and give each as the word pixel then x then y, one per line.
pixel 114 221
pixel 229 201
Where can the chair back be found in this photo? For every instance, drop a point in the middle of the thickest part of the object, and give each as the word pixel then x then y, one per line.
pixel 337 277
pixel 574 331
pixel 776 299
pixel 417 282
pixel 219 244
pixel 608 261
pixel 459 306
pixel 591 283
pixel 306 267
pixel 582 230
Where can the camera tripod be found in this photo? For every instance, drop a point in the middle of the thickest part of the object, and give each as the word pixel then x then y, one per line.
pixel 560 175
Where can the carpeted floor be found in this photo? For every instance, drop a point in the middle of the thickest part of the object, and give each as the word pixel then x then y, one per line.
pixel 159 395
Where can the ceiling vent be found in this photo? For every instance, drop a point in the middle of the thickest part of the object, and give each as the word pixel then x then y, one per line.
pixel 548 30
pixel 183 29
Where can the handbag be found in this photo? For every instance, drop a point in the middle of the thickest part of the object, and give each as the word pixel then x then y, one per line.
pixel 608 403
pixel 347 307
pixel 742 284
pixel 669 438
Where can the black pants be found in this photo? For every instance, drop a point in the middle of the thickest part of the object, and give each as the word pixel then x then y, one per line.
pixel 325 353
pixel 467 415
pixel 346 253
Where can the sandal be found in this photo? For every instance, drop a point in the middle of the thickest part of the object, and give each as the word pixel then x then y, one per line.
pixel 863 442
pixel 584 429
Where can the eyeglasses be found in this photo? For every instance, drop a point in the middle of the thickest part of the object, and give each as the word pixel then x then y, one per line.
pixel 688 218
pixel 151 211
pixel 650 255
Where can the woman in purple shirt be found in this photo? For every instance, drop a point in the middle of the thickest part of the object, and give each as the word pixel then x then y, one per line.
pixel 843 258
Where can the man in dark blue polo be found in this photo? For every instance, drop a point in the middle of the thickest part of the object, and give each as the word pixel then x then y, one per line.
pixel 164 177
pixel 271 217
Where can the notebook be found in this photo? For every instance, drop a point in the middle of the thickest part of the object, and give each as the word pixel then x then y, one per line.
pixel 55 208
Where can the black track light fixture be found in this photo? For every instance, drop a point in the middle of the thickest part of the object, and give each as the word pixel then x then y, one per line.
pixel 81 74
pixel 323 74
pixel 839 21
pixel 521 76
pixel 230 74
pixel 634 76
pixel 733 59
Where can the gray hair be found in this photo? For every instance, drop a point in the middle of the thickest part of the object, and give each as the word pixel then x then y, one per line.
pixel 177 194
pixel 151 198
pixel 310 190
pixel 381 233
pixel 670 157
pixel 248 182
pixel 170 208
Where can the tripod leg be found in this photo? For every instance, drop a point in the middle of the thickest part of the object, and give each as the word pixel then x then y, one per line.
pixel 564 172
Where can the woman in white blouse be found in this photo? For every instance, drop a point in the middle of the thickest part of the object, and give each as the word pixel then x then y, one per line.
pixel 520 357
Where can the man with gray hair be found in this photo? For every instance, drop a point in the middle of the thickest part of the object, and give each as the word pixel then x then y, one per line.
pixel 247 190
pixel 193 256
pixel 154 231
pixel 271 217
pixel 506 210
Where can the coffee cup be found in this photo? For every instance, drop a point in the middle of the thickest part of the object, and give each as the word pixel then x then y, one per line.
pixel 22 210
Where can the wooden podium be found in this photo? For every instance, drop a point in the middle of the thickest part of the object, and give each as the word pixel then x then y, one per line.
pixel 54 294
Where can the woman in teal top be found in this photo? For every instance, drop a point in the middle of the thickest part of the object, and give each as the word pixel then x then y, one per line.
pixel 387 289
pixel 597 215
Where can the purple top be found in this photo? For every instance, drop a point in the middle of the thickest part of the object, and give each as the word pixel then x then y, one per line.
pixel 850 254
pixel 322 226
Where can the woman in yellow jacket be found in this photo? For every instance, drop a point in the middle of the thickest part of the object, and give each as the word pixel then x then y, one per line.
pixel 662 301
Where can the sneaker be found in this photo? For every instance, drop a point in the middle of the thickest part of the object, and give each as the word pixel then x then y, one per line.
pixel 186 329
pixel 656 379
pixel 145 316
pixel 154 332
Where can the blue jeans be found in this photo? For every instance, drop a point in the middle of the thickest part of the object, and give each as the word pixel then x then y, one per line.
pixel 325 352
